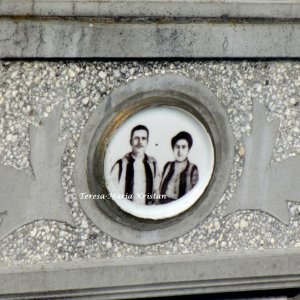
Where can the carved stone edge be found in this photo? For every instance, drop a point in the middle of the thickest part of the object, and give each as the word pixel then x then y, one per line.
pixel 90 38
pixel 160 8
pixel 164 275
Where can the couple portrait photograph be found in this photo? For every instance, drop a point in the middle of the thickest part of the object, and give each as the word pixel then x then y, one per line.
pixel 138 174
pixel 157 156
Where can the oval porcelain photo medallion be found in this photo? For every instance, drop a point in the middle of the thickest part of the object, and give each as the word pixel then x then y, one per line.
pixel 154 159
pixel 158 162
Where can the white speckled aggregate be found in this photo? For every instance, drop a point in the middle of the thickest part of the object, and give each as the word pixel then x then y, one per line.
pixel 30 90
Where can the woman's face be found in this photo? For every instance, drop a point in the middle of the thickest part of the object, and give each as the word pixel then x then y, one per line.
pixel 181 150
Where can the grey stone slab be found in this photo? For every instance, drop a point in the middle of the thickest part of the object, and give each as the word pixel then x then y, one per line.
pixel 99 38
pixel 157 276
pixel 24 199
pixel 264 186
pixel 142 8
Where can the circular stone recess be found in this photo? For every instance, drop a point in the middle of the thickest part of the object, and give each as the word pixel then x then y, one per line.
pixel 170 107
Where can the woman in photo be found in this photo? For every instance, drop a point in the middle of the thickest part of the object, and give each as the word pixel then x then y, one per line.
pixel 179 176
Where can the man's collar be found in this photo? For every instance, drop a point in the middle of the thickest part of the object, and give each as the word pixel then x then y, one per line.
pixel 130 157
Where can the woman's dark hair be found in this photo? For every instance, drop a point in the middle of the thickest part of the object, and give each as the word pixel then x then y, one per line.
pixel 182 135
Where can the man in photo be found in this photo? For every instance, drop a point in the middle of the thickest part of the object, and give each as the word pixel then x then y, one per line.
pixel 136 174
pixel 179 176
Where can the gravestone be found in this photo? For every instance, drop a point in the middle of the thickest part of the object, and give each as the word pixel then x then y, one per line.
pixel 149 148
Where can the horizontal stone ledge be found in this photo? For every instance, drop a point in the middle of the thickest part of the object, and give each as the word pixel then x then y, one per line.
pixel 93 38
pixel 183 8
pixel 169 275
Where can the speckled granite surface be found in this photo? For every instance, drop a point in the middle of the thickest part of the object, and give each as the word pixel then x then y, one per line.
pixel 30 90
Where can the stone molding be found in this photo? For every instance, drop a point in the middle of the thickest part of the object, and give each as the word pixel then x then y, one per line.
pixel 148 8
pixel 157 276
pixel 147 29
pixel 99 38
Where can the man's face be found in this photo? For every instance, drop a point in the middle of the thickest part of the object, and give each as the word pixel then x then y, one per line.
pixel 139 140
pixel 181 150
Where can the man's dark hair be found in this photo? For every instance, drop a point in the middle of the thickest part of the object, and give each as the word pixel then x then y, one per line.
pixel 182 135
pixel 139 127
